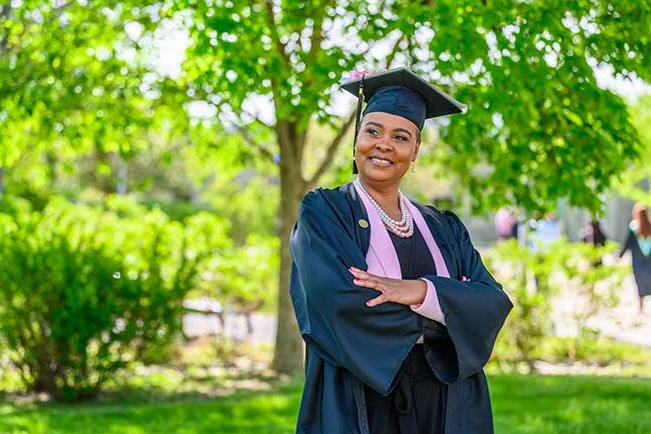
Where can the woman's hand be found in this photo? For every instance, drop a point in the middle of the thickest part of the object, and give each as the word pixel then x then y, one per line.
pixel 400 291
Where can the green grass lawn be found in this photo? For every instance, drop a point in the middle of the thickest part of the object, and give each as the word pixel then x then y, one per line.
pixel 522 404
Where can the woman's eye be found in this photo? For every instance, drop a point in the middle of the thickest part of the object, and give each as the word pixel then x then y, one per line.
pixel 401 138
pixel 372 131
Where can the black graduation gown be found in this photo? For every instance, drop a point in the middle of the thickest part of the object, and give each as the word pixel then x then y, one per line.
pixel 417 404
pixel 349 345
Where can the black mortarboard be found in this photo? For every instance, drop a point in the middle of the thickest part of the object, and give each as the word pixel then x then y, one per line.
pixel 401 93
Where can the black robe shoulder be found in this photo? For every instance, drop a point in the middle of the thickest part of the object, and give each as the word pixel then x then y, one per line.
pixel 349 344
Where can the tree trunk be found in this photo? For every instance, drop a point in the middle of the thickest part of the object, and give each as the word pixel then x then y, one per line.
pixel 288 355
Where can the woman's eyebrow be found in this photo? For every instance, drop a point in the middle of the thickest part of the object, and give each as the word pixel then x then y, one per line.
pixel 404 130
pixel 375 123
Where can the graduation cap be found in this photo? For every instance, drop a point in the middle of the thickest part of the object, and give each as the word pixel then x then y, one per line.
pixel 402 93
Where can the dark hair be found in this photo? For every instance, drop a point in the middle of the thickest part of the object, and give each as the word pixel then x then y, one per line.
pixel 644 226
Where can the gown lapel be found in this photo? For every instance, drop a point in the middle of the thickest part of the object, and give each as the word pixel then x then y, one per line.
pixel 432 245
pixel 358 210
pixel 441 233
pixel 381 257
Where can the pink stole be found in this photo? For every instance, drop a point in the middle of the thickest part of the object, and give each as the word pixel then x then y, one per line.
pixel 381 257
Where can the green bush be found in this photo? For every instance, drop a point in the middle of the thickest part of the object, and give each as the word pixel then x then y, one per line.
pixel 84 290
pixel 525 276
pixel 248 275
pixel 534 277
pixel 601 351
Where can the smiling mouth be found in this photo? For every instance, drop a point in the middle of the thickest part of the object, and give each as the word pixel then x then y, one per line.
pixel 378 161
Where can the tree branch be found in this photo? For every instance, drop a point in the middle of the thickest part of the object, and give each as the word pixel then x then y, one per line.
pixel 257 119
pixel 63 7
pixel 6 10
pixel 330 152
pixel 315 45
pixel 273 28
pixel 246 134
pixel 251 141
pixel 317 35
pixel 394 51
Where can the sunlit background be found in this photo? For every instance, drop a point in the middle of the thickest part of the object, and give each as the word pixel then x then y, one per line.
pixel 153 156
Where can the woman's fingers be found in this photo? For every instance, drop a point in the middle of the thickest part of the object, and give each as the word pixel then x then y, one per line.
pixel 369 283
pixel 377 300
pixel 362 278
pixel 368 280
pixel 360 273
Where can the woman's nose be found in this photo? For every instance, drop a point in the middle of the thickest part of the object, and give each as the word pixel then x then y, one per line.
pixel 382 144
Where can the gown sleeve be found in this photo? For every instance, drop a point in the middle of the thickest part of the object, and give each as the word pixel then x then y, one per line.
pixel 474 310
pixel 430 307
pixel 330 309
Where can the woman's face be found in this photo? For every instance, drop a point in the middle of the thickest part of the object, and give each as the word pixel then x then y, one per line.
pixel 385 147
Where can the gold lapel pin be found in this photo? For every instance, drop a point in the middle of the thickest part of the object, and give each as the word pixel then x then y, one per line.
pixel 362 223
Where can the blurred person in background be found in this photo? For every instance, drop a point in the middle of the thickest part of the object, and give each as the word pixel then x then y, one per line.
pixel 506 223
pixel 593 234
pixel 638 241
pixel 543 232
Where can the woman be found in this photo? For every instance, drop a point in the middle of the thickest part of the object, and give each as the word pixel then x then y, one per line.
pixel 638 242
pixel 398 313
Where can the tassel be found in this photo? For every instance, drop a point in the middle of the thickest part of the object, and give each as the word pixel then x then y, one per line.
pixel 358 119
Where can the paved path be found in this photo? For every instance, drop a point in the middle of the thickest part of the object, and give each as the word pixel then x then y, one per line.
pixel 622 323
pixel 233 326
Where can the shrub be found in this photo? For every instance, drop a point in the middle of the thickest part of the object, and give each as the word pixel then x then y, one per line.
pixel 85 290
pixel 534 277
pixel 525 276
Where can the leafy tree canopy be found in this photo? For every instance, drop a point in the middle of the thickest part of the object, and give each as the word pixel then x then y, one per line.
pixel 538 126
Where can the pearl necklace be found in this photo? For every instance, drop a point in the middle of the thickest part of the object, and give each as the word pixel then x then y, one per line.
pixel 403 228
